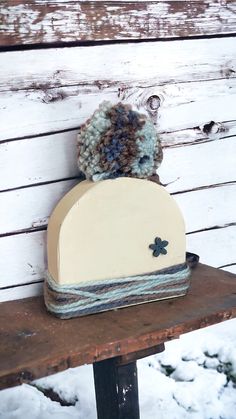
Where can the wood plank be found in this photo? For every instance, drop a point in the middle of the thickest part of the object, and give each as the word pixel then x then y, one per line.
pixel 38 160
pixel 186 168
pixel 23 259
pixel 34 205
pixel 26 324
pixel 27 22
pixel 152 63
pixel 216 247
pixel 182 106
pixel 65 91
pixel 53 157
pixel 205 132
pixel 22 291
pixel 207 208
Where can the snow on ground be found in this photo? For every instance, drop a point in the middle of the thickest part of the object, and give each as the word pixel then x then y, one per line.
pixel 199 377
pixel 195 378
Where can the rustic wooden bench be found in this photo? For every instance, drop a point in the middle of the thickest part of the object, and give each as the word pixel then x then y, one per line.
pixel 34 344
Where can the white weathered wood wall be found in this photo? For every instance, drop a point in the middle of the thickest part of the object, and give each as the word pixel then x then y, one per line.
pixel 56 66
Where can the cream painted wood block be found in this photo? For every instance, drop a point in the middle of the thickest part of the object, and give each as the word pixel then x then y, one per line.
pixel 103 230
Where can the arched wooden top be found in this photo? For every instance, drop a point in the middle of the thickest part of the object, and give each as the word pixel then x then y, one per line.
pixel 103 230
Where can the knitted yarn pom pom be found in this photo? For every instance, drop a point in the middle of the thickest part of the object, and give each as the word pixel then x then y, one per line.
pixel 117 141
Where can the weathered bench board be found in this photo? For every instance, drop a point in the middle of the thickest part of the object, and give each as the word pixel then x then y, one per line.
pixel 36 344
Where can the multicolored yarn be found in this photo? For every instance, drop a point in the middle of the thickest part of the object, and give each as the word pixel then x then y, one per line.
pixel 66 301
pixel 117 141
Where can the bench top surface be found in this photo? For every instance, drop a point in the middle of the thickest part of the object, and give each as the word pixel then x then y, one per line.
pixel 34 344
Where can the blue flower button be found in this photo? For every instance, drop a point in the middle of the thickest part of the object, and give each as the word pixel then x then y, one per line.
pixel 159 247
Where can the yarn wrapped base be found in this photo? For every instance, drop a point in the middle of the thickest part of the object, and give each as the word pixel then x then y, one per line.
pixel 67 301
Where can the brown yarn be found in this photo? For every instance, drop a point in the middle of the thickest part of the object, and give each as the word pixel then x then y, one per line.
pixel 127 137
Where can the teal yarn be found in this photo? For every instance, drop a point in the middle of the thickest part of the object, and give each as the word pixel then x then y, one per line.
pixel 89 136
pixel 118 141
pixel 156 277
pixel 94 296
pixel 147 144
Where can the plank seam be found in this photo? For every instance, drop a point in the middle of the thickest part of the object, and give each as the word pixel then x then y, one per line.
pixel 212 228
pixel 77 128
pixel 24 231
pixel 32 185
pixel 72 44
pixel 39 281
pixel 226 266
pixel 44 134
pixel 196 142
pixel 200 188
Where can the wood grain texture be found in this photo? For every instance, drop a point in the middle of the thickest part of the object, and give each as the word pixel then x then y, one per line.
pixel 183 106
pixel 216 247
pixel 188 167
pixel 34 205
pixel 38 160
pixel 28 22
pixel 59 90
pixel 143 64
pixel 208 208
pixel 209 131
pixel 49 345
pixel 23 258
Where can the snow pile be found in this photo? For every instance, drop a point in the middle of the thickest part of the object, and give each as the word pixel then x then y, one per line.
pixel 195 378
pixel 75 386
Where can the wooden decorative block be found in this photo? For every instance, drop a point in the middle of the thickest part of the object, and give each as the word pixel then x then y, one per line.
pixel 114 243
